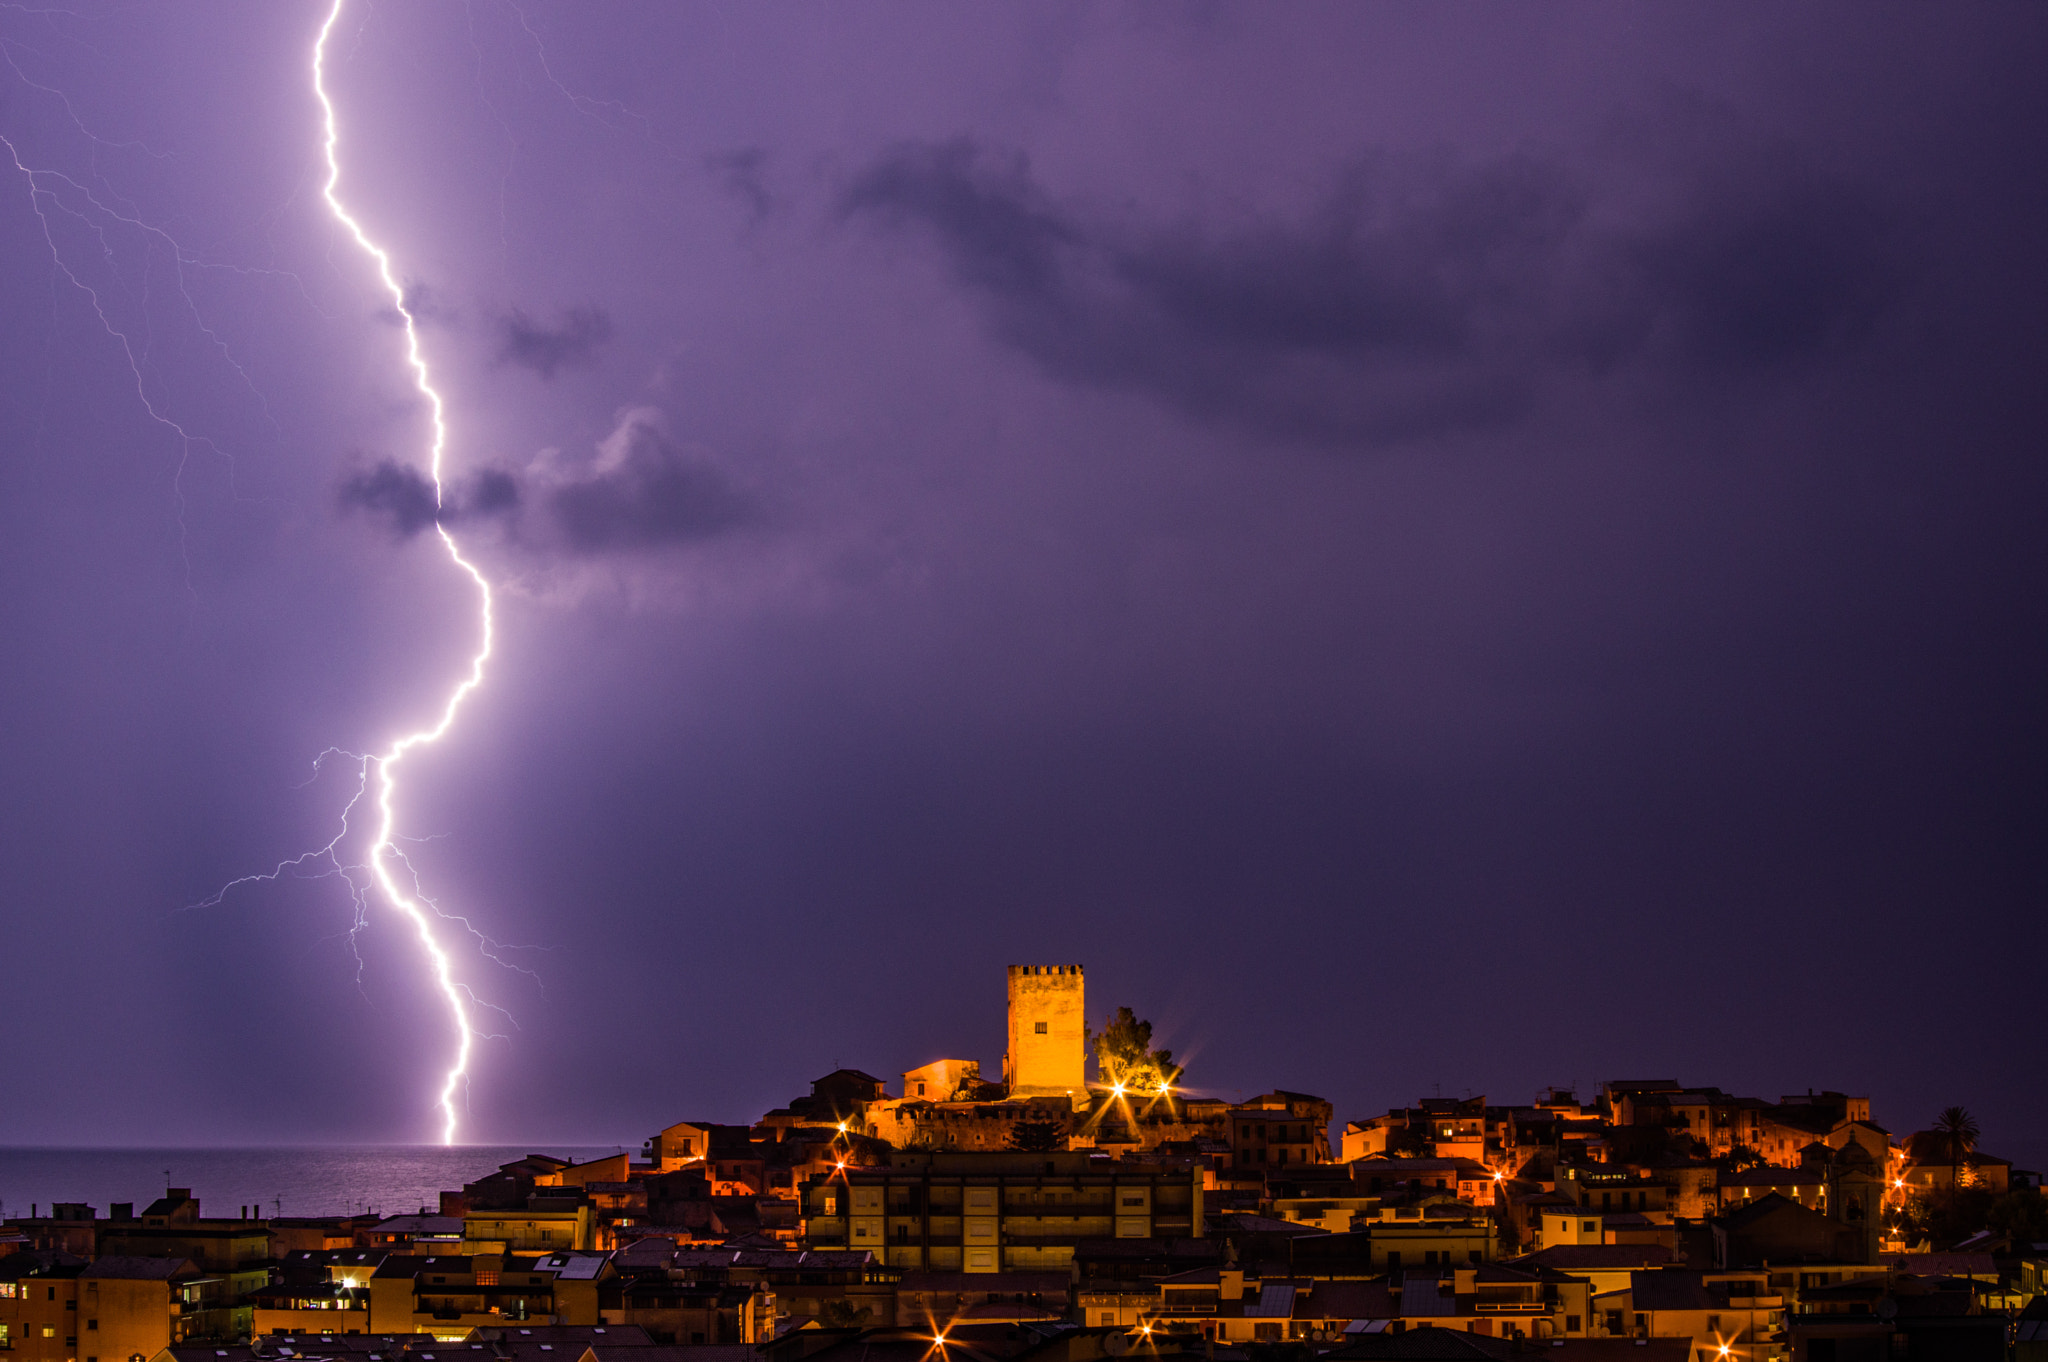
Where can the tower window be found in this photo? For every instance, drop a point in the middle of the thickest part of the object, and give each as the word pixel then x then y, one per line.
pixel 1038 1028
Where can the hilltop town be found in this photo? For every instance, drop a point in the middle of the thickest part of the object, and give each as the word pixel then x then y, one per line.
pixel 1087 1203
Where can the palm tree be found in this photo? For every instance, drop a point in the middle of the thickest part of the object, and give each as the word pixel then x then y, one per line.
pixel 1958 1131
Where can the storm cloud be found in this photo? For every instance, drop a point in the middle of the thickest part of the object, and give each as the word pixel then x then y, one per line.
pixel 1422 295
pixel 403 499
pixel 645 491
pixel 573 339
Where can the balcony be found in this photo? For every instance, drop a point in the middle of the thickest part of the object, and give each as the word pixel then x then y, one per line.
pixel 1511 1307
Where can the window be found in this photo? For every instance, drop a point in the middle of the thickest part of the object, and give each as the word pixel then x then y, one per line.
pixel 1571 1324
pixel 1108 1317
pixel 49 1331
pixel 92 1326
pixel 1038 1028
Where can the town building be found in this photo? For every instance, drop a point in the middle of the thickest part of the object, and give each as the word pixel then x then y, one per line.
pixel 997 1212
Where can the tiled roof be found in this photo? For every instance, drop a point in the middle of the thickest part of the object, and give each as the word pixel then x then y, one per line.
pixel 1598 1257
pixel 1671 1289
pixel 138 1269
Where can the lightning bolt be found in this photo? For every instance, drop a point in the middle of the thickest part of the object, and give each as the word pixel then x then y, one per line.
pixel 383 766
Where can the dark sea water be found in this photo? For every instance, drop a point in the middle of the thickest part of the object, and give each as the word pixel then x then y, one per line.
pixel 318 1180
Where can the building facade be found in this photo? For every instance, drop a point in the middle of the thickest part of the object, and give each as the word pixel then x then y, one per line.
pixel 994 1212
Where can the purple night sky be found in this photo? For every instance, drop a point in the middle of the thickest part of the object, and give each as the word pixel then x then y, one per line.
pixel 1424 544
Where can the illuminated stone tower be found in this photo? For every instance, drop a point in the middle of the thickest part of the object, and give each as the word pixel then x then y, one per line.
pixel 1048 1052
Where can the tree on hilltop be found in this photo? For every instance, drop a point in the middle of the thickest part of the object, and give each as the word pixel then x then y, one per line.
pixel 1124 1055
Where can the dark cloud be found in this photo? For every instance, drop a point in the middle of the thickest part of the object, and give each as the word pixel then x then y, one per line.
pixel 404 499
pixel 1421 297
pixel 646 492
pixel 1758 275
pixel 399 495
pixel 740 173
pixel 572 340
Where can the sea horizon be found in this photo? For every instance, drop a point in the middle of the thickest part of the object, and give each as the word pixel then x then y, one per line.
pixel 278 1180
